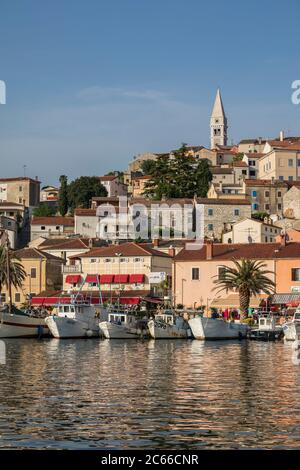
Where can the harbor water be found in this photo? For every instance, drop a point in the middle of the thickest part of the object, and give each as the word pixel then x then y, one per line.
pixel 168 394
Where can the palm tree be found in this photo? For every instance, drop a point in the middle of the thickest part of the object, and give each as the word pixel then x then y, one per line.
pixel 9 262
pixel 248 278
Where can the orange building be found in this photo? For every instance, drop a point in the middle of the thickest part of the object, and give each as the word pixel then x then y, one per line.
pixel 194 272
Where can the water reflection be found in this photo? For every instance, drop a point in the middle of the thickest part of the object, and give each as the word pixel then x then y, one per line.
pixel 134 394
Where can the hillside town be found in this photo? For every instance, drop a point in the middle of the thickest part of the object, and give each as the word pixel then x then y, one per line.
pixel 84 234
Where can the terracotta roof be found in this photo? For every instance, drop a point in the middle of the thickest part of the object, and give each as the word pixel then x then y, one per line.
pixel 143 177
pixel 237 251
pixel 127 249
pixel 85 212
pixel 252 141
pixel 223 202
pixel 11 204
pixel 107 177
pixel 53 220
pixel 221 171
pixel 253 182
pixel 20 178
pixel 239 163
pixel 255 154
pixel 33 253
pixel 65 244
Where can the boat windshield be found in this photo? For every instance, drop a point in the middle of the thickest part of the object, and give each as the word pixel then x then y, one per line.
pixel 117 318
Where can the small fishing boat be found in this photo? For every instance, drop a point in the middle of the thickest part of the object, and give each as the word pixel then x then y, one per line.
pixel 78 319
pixel 291 329
pixel 123 325
pixel 166 325
pixel 22 324
pixel 207 328
pixel 267 330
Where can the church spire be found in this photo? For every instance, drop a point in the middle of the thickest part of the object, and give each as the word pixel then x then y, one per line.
pixel 218 123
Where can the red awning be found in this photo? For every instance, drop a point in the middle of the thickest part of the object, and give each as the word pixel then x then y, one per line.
pixel 73 278
pixel 45 301
pixel 106 278
pixel 153 300
pixel 121 278
pixel 139 278
pixel 91 278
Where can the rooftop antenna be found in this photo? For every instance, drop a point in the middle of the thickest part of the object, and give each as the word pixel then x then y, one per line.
pixel 24 169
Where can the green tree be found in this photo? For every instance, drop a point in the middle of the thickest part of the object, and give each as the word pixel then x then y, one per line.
pixel 83 189
pixel 63 203
pixel 147 166
pixel 43 210
pixel 16 269
pixel 238 157
pixel 248 278
pixel 260 215
pixel 178 176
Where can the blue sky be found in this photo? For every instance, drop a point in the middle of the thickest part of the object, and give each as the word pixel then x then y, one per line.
pixel 92 83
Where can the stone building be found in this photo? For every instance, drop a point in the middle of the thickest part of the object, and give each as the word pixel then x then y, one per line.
pixel 266 195
pixel 22 190
pixel 291 203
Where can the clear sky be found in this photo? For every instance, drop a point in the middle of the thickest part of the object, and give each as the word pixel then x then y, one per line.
pixel 92 83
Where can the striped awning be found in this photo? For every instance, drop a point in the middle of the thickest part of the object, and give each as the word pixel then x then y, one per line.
pixel 136 278
pixel 284 298
pixel 121 278
pixel 233 301
pixel 106 278
pixel 92 278
pixel 73 278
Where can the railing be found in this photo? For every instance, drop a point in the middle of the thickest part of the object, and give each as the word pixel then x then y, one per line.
pixel 71 268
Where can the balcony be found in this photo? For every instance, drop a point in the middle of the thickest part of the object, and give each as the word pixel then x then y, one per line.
pixel 71 268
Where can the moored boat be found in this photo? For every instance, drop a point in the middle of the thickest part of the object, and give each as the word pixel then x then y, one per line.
pixel 22 324
pixel 75 320
pixel 267 330
pixel 291 329
pixel 207 328
pixel 123 325
pixel 166 325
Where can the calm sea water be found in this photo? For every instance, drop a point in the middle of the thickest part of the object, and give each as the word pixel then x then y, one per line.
pixel 80 394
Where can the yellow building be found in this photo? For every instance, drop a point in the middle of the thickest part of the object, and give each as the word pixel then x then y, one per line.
pixel 280 163
pixel 43 273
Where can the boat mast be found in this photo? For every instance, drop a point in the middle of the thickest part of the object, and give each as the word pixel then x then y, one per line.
pixel 8 275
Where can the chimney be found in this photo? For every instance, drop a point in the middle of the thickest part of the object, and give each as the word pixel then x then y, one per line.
pixel 281 136
pixel 171 251
pixel 155 242
pixel 209 249
pixel 283 239
pixel 36 178
pixel 259 140
pixel 90 243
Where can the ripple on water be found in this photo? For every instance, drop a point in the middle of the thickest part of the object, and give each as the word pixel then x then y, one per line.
pixel 133 394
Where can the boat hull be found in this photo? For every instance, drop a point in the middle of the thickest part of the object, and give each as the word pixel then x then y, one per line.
pixel 64 327
pixel 160 330
pixel 291 331
pixel 114 331
pixel 19 326
pixel 215 329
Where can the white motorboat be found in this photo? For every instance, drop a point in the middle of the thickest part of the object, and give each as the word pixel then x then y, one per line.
pixel 75 320
pixel 123 325
pixel 291 329
pixel 207 328
pixel 267 329
pixel 22 324
pixel 168 326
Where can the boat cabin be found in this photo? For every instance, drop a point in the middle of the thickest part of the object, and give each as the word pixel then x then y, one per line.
pixel 266 323
pixel 165 318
